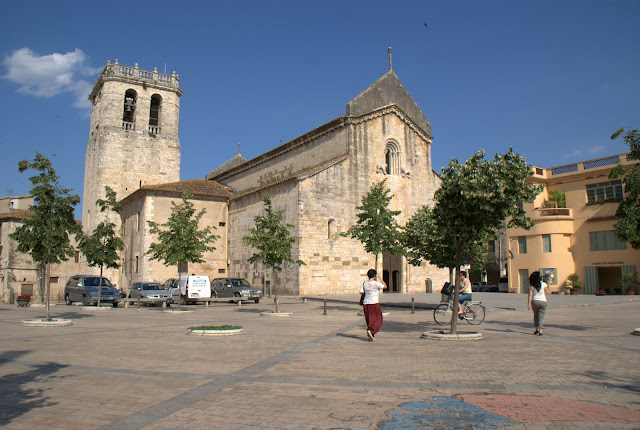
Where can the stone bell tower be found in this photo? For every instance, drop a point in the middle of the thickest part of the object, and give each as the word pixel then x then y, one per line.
pixel 133 137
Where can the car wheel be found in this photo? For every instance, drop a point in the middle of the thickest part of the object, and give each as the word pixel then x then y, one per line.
pixel 67 300
pixel 214 294
pixel 85 301
pixel 257 300
pixel 115 305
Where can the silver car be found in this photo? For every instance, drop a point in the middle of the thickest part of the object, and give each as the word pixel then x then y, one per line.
pixel 235 288
pixel 84 288
pixel 152 292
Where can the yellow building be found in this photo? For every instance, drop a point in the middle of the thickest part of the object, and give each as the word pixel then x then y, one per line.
pixel 577 238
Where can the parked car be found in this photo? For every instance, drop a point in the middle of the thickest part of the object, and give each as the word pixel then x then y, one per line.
pixel 154 292
pixel 484 287
pixel 192 288
pixel 238 288
pixel 84 288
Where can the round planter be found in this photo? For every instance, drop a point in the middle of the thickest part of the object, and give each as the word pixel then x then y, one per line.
pixel 275 314
pixel 178 311
pixel 23 303
pixel 445 335
pixel 53 322
pixel 209 332
pixel 97 308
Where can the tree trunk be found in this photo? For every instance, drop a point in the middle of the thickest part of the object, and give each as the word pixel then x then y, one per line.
pixel 47 314
pixel 179 289
pixel 275 290
pixel 456 292
pixel 99 287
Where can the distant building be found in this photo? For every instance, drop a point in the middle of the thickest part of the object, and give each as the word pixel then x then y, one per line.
pixel 577 237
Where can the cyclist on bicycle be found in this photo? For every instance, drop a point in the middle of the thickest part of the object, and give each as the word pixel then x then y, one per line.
pixel 464 292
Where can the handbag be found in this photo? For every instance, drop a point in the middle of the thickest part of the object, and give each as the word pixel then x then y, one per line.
pixel 362 295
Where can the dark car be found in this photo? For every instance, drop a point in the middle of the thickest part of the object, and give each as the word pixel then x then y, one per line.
pixel 484 287
pixel 237 288
pixel 84 288
pixel 152 292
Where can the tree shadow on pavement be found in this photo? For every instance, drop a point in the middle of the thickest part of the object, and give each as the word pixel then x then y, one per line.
pixel 17 399
pixel 529 325
pixel 606 379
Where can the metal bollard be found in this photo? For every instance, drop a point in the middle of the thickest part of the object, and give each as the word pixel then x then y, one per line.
pixel 138 303
pixel 240 302
pixel 164 305
pixel 413 309
pixel 325 307
pixel 304 300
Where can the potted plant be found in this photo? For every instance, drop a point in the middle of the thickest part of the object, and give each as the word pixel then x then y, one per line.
pixel 629 283
pixel 23 300
pixel 573 282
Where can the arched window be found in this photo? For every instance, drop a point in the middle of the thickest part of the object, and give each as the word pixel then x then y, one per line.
pixel 154 114
pixel 129 110
pixel 392 158
pixel 332 232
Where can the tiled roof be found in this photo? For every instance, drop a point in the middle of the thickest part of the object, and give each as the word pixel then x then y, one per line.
pixel 18 214
pixel 194 186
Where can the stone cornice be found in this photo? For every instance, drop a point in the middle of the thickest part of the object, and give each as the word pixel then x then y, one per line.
pixel 390 109
pixel 283 149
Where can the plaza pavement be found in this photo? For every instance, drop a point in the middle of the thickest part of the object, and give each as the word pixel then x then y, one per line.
pixel 129 369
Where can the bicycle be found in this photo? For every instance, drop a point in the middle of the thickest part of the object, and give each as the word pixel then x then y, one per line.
pixel 472 312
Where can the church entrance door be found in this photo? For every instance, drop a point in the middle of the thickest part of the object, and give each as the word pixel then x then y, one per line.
pixel 391 271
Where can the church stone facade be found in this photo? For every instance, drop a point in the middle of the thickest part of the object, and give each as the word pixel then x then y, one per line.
pixel 318 179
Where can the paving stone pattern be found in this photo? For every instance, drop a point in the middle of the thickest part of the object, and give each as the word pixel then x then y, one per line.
pixel 129 369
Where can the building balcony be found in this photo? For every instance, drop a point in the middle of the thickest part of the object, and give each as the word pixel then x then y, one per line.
pixel 552 214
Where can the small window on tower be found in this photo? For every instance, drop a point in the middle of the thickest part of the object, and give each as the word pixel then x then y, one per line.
pixel 129 110
pixel 154 114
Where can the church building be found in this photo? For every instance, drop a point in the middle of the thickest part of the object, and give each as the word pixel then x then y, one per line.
pixel 317 179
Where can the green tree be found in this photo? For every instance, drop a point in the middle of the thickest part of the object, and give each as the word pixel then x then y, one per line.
pixel 45 235
pixel 628 226
pixel 470 206
pixel 273 241
pixel 179 240
pixel 376 228
pixel 102 245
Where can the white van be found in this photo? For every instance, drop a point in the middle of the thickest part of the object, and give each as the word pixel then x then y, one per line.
pixel 192 289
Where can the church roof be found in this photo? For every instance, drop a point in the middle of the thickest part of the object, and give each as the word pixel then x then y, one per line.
pixel 388 90
pixel 16 215
pixel 197 187
pixel 235 161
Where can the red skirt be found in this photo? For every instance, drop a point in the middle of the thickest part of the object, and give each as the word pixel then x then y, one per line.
pixel 373 317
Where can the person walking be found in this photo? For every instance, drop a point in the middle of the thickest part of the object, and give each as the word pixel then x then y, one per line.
pixel 371 303
pixel 537 301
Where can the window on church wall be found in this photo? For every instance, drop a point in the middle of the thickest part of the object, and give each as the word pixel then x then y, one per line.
pixel 129 110
pixel 392 159
pixel 332 230
pixel 154 114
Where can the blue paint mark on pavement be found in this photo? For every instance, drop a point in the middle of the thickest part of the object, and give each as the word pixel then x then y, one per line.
pixel 443 413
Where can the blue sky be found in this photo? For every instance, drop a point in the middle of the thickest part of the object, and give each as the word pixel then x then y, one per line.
pixel 552 79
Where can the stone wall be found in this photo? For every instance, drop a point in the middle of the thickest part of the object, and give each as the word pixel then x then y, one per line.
pixel 126 159
pixel 138 238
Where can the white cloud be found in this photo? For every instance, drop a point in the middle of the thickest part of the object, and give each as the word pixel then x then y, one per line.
pixel 585 153
pixel 50 75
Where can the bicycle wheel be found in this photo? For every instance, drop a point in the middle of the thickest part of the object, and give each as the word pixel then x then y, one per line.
pixel 474 313
pixel 442 314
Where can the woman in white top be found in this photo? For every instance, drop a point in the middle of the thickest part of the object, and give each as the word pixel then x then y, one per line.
pixel 371 304
pixel 537 301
